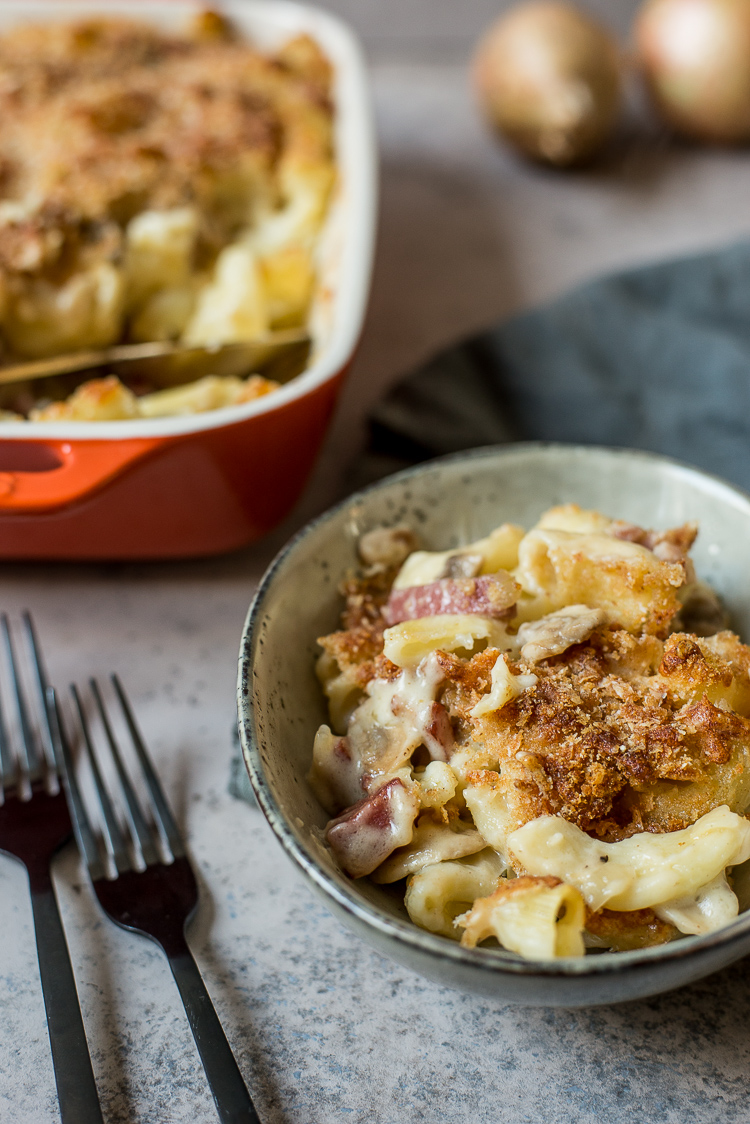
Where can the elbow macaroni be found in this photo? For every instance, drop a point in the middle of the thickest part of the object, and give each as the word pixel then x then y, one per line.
pixel 643 871
pixel 540 918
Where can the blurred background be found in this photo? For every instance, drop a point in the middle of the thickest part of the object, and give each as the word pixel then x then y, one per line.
pixel 470 232
pixel 446 31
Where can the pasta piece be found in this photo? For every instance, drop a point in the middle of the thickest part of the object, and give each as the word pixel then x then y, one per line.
pixel 499 551
pixel 165 314
pixel 408 643
pixel 232 306
pixel 287 278
pixel 343 692
pixel 540 918
pixel 634 588
pixel 570 517
pixel 335 776
pixel 209 393
pixel 643 871
pixel 431 843
pixel 486 800
pixel 437 894
pixel 159 248
pixel 710 908
pixel 437 784
pixel 306 191
pixel 86 310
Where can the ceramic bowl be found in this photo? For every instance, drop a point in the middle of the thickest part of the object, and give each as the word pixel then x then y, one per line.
pixel 450 502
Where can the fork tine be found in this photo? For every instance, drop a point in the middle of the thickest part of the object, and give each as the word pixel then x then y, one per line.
pixel 7 760
pixel 30 756
pixel 43 686
pixel 139 826
pixel 82 828
pixel 161 808
pixel 115 838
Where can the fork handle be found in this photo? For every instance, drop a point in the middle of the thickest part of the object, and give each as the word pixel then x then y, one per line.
pixel 76 1089
pixel 233 1102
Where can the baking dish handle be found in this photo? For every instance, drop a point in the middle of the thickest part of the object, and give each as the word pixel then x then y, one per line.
pixel 43 475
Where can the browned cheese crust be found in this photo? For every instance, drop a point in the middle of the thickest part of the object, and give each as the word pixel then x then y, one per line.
pixel 618 735
pixel 639 928
pixel 102 119
pixel 358 647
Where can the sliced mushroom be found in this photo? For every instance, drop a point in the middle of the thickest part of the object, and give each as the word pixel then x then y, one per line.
pixel 463 566
pixel 387 546
pixel 555 633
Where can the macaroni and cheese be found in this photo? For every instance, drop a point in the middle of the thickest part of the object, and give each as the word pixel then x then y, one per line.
pixel 157 186
pixel 545 733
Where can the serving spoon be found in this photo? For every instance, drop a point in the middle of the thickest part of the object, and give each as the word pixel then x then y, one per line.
pixel 167 363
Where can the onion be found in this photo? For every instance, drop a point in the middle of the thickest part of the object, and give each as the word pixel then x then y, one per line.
pixel 696 59
pixel 548 78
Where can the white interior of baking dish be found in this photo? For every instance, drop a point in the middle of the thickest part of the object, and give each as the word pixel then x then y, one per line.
pixel 346 247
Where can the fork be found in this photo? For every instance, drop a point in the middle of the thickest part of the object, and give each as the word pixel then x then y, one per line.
pixel 34 824
pixel 148 895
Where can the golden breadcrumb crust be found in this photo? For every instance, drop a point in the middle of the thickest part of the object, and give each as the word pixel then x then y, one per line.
pixel 103 118
pixel 618 735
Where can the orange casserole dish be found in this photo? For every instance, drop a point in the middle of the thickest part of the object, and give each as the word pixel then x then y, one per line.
pixel 204 483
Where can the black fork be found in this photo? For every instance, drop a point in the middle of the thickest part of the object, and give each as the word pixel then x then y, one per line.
pixel 148 895
pixel 34 824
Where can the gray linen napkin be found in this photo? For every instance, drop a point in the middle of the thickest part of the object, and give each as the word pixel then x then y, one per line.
pixel 656 358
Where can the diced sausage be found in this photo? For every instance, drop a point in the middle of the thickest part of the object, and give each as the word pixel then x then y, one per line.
pixel 669 546
pixel 368 832
pixel 493 595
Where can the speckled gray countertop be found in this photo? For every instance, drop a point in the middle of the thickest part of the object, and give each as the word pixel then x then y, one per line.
pixel 324 1029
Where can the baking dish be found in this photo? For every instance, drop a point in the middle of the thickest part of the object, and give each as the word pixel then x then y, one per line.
pixel 203 484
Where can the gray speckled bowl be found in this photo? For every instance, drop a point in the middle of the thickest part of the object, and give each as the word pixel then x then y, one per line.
pixel 450 502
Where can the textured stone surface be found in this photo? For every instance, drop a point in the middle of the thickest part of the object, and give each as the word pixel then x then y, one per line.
pixel 324 1029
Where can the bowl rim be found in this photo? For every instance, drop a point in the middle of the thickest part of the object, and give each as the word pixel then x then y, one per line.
pixel 356 161
pixel 342 891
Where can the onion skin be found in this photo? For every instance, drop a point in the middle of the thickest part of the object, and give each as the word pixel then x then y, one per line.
pixel 548 79
pixel 695 56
